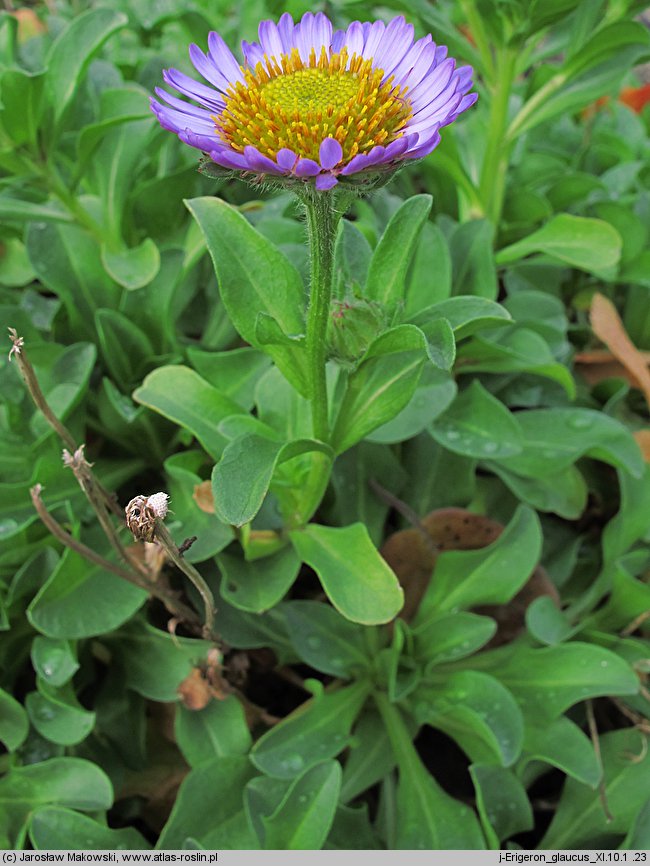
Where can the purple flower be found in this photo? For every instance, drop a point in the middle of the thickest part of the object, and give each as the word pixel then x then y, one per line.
pixel 313 103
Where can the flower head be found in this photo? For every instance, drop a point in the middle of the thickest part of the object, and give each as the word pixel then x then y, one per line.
pixel 309 103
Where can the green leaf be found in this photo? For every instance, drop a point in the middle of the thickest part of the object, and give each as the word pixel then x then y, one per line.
pixel 326 640
pixel 450 636
pixel 630 523
pixel 370 757
pixel 68 782
pixel 582 242
pixel 13 722
pixel 352 830
pixel 181 395
pixel 66 260
pixel 472 258
pixel 478 425
pixel 559 437
pixel 514 349
pixel 288 352
pixel 203 812
pixel 19 211
pixel 564 745
pixel 258 586
pixel 217 731
pixel 466 315
pixel 356 579
pixel 58 719
pixel 133 267
pixel 430 277
pixel 319 729
pixel 434 393
pixel 303 819
pixel 580 821
pixel 81 600
pixel 546 622
pixel 466 578
pixel 564 493
pixel 241 479
pixel 548 681
pixel 392 256
pixel 115 165
pixel 427 817
pixel 73 50
pixel 639 836
pixel 22 98
pixel 124 345
pixel 352 254
pixel 54 660
pixel 502 803
pixel 254 277
pixel 478 712
pixel 55 829
pixel 235 372
pixel 155 662
pixel 381 386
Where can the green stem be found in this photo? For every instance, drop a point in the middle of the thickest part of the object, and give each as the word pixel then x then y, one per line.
pixel 495 162
pixel 398 734
pixel 475 22
pixel 322 221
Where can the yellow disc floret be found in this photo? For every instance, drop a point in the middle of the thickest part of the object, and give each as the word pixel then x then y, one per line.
pixel 286 102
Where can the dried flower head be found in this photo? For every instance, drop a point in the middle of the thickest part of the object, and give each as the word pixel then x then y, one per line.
pixel 141 514
pixel 311 104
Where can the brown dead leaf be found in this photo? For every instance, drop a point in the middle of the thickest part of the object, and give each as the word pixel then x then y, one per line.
pixel 643 441
pixel 204 683
pixel 609 328
pixel 412 555
pixel 203 497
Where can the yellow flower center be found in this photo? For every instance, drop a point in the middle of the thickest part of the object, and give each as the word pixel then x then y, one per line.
pixel 288 103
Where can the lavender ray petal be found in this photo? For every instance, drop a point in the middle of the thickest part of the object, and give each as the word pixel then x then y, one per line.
pixel 286 158
pixel 306 168
pixel 356 164
pixel 253 53
pixel 229 159
pixel 206 67
pixel 322 32
pixel 178 120
pixel 188 108
pixel 330 153
pixel 223 58
pixel 338 41
pixel 404 68
pixel 325 182
pixel 285 29
pixel 208 96
pixel 425 148
pixel 354 38
pixel 206 143
pixel 261 163
pixel 270 38
pixel 372 40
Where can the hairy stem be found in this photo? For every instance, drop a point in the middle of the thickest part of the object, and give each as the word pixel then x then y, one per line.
pixel 322 221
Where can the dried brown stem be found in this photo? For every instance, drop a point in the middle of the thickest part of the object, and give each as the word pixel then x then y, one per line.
pixel 593 732
pixel 34 389
pixel 82 472
pixel 164 538
pixel 636 622
pixel 175 607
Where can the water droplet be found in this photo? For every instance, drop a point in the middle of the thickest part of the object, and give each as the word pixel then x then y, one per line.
pixel 45 714
pixel 338 662
pixel 490 447
pixel 294 763
pixel 579 422
pixel 314 642
pixel 337 738
pixel 48 670
pixel 451 434
pixel 302 798
pixel 604 664
pixel 550 453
